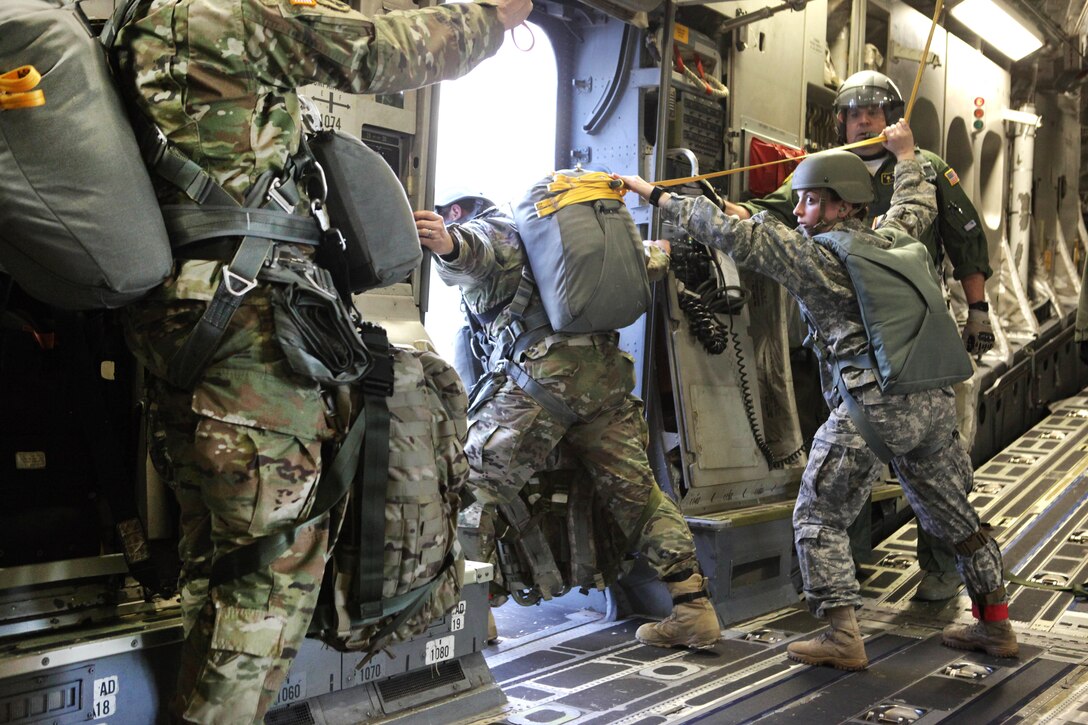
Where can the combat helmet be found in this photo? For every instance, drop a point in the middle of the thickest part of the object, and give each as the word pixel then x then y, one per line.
pixel 868 88
pixel 838 170
pixel 449 196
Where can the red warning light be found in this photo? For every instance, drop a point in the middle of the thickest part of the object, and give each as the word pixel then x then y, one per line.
pixel 978 113
pixel 979 100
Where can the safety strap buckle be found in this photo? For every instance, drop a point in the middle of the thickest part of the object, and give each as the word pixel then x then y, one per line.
pixel 230 279
pixel 275 195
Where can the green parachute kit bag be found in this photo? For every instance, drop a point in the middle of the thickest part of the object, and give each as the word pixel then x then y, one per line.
pixel 80 226
pixel 396 568
pixel 585 253
pixel 914 344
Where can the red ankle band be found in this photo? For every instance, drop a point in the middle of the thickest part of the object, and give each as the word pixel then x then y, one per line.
pixel 991 612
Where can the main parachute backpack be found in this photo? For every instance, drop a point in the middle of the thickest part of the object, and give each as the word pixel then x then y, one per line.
pixel 584 250
pixel 79 226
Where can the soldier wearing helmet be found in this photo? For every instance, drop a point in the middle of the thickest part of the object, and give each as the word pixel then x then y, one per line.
pixel 919 428
pixel 458 206
pixel 866 102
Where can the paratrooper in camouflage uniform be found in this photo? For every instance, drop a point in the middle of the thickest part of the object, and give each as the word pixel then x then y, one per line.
pixel 919 428
pixel 243 449
pixel 511 434
pixel 866 102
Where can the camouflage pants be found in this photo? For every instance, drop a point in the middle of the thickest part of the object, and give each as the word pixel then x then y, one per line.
pixel 242 453
pixel 511 435
pixel 933 469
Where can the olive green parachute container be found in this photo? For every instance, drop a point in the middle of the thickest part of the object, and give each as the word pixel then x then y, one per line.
pixel 80 226
pixel 422 566
pixel 587 256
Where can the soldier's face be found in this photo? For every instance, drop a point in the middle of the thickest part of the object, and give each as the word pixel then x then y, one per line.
pixel 864 122
pixel 815 211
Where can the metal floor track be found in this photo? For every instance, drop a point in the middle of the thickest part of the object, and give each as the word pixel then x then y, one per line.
pixel 1034 497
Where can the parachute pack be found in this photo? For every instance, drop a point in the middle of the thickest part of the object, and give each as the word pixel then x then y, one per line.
pixel 585 252
pixel 80 227
pixel 914 344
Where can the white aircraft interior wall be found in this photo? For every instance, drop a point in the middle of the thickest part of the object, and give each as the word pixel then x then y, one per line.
pixel 1057 173
pixel 978 156
pixel 765 99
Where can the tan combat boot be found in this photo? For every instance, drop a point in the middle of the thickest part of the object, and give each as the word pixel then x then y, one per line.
pixel 994 638
pixel 840 646
pixel 693 622
pixel 991 632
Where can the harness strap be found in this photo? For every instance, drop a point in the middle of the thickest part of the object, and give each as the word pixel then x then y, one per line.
pixel 331 488
pixel 548 400
pixel 238 279
pixel 653 503
pixel 188 225
pixel 690 597
pixel 372 478
pixel 1080 591
pixel 583 548
pixel 972 543
pixel 678 576
pixel 861 421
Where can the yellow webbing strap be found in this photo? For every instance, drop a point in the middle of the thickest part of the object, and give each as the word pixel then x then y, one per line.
pixel 17 89
pixel 577 189
pixel 847 147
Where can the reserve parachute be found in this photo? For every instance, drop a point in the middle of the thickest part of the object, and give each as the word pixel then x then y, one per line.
pixel 585 253
pixel 914 344
pixel 79 226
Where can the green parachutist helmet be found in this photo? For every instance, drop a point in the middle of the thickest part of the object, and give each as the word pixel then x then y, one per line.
pixel 838 170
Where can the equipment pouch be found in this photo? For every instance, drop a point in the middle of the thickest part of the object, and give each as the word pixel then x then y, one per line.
pixel 314 327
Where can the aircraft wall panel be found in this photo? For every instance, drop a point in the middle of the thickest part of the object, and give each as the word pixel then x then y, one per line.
pixel 909 29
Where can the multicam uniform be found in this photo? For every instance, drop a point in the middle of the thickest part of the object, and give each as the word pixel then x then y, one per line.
pixel 957 231
pixel 511 434
pixel 841 467
pixel 243 449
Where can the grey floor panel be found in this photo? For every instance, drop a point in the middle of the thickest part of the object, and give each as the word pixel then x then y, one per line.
pixel 1034 495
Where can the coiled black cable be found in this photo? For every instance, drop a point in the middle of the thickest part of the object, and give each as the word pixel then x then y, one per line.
pixel 705 300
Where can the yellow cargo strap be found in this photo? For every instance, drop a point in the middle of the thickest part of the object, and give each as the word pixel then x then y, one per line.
pixel 577 189
pixel 17 89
